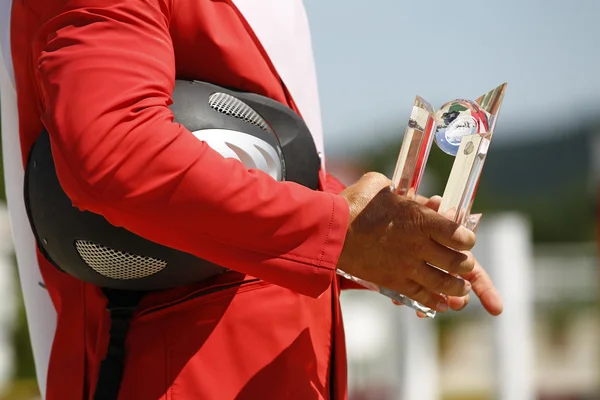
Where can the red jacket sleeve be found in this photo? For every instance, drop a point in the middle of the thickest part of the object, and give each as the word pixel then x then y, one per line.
pixel 106 74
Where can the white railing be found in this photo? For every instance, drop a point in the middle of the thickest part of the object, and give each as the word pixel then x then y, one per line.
pixel 394 355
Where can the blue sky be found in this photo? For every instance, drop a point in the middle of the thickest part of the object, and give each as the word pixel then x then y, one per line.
pixel 374 57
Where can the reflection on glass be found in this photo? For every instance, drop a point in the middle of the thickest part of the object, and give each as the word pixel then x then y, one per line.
pixel 456 119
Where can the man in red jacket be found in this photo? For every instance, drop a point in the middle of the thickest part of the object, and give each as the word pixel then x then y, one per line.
pixel 98 75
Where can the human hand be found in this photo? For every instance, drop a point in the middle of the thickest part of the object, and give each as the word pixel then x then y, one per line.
pixel 482 285
pixel 393 241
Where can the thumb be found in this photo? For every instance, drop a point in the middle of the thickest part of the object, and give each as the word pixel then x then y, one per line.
pixel 373 182
pixel 363 191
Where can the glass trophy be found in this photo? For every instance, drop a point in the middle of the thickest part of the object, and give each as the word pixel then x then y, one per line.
pixel 460 128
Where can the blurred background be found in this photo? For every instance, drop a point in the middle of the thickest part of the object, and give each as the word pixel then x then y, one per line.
pixel 539 195
pixel 538 191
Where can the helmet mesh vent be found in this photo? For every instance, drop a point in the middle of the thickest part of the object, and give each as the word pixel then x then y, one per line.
pixel 234 107
pixel 116 264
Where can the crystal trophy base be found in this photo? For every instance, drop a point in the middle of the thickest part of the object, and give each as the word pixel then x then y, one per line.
pixel 392 294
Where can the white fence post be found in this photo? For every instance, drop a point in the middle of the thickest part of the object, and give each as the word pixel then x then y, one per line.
pixel 504 248
pixel 8 302
pixel 417 357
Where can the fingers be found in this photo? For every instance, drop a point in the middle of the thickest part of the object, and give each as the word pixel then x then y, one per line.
pixel 449 234
pixel 419 313
pixel 485 289
pixel 458 303
pixel 421 199
pixel 434 203
pixel 429 299
pixel 447 259
pixel 455 304
pixel 423 289
pixel 438 281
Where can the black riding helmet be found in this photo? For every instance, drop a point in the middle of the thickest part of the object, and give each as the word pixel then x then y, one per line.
pixel 258 131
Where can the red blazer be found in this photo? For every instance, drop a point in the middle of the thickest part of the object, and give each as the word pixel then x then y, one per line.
pixel 98 74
